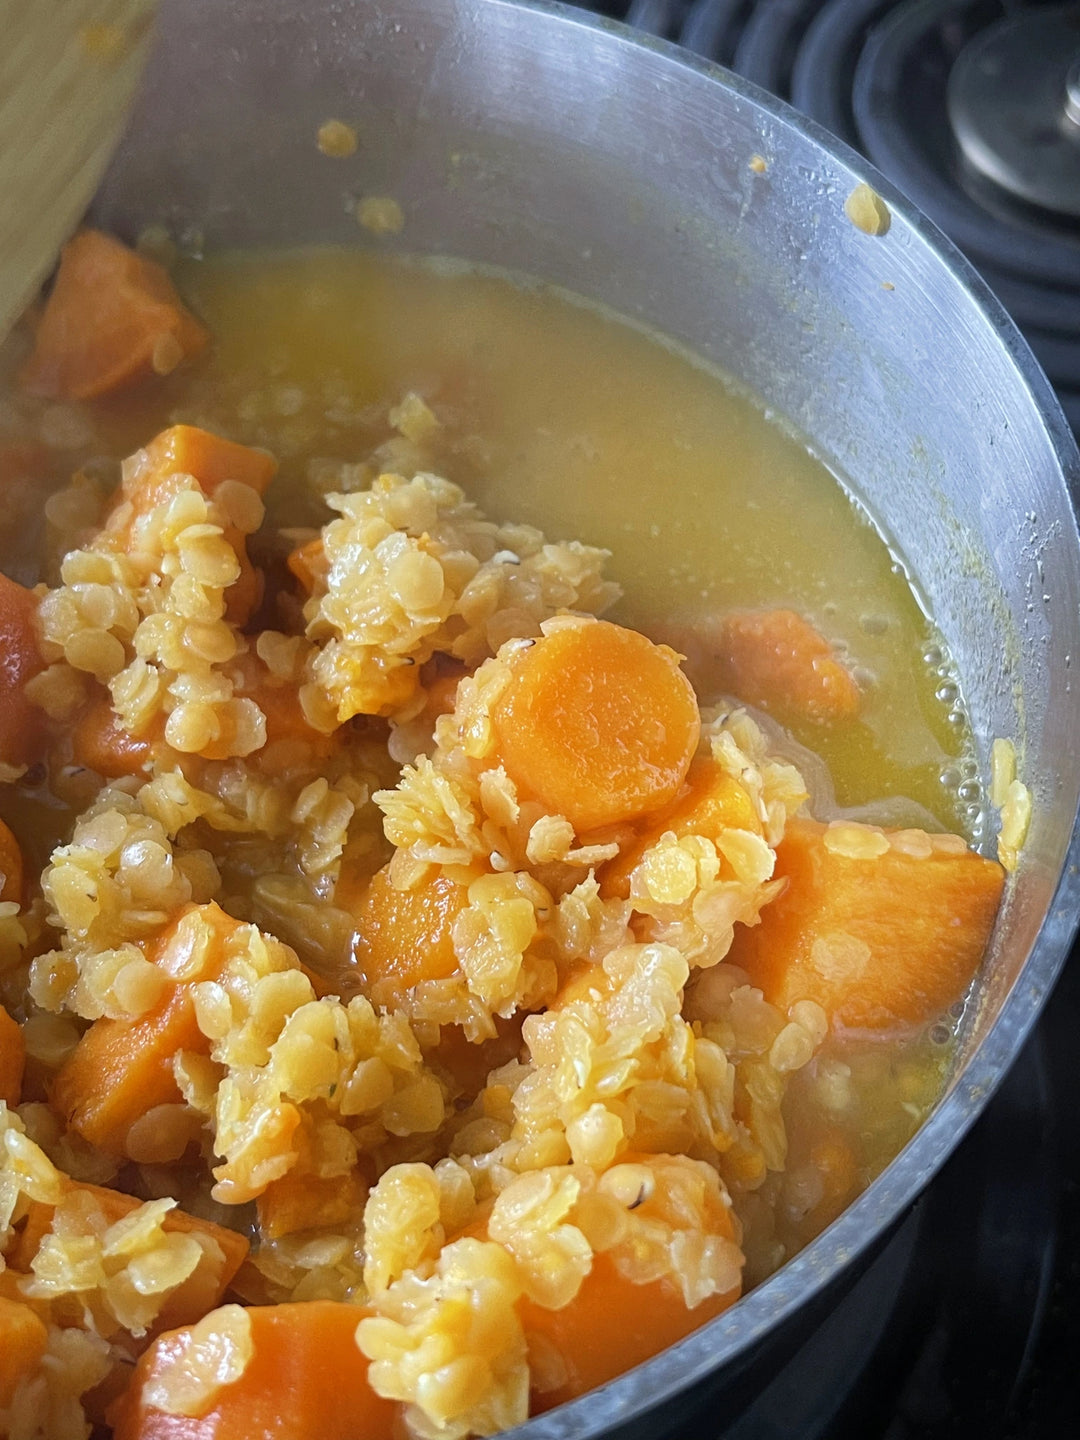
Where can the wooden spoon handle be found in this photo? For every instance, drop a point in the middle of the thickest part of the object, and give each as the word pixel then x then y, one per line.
pixel 68 72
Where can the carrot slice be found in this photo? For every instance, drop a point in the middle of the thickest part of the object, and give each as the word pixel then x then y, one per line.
pixel 12 1059
pixel 120 1069
pixel 880 940
pixel 405 936
pixel 306 1380
pixel 110 315
pixel 597 723
pixel 777 660
pixel 20 659
pixel 23 1338
pixel 711 801
pixel 201 1291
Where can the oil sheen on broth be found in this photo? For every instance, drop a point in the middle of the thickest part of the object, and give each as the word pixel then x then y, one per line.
pixel 556 414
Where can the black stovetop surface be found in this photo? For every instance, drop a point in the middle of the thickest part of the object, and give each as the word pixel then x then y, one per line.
pixel 968 1321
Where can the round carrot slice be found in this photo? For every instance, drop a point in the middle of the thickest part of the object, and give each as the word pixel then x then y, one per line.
pixel 597 723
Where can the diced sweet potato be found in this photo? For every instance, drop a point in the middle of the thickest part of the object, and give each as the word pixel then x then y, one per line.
pixel 710 802
pixel 306 1380
pixel 12 1059
pixel 23 1338
pixel 21 734
pixel 120 1069
pixel 613 1324
pixel 405 936
pixel 308 563
pixel 885 930
pixel 210 458
pixel 285 718
pixel 774 659
pixel 113 318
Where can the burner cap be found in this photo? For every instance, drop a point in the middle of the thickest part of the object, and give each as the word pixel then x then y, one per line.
pixel 1014 103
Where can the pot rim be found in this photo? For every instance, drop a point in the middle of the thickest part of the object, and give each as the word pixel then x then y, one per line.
pixel 732 1334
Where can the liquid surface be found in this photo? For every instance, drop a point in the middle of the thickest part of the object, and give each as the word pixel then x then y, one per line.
pixel 559 416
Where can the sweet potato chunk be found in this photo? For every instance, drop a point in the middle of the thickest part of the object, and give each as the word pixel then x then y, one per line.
pixel 610 1326
pixel 101 743
pixel 113 318
pixel 225 1250
pixel 774 659
pixel 883 929
pixel 11 866
pixel 302 1201
pixel 210 458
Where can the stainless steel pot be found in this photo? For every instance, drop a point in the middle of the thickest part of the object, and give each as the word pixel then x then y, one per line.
pixel 531 137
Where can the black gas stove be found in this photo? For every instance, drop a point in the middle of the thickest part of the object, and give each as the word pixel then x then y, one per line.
pixel 967 1322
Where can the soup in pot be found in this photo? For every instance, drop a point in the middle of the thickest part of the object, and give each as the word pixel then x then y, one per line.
pixel 492 849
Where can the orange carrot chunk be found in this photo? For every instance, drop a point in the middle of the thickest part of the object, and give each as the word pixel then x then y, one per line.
pixel 20 722
pixel 23 1338
pixel 711 801
pixel 597 723
pixel 303 1201
pixel 777 660
pixel 12 1059
pixel 11 866
pixel 610 1326
pixel 113 318
pixel 120 1069
pixel 405 936
pixel 101 743
pixel 224 1250
pixel 305 1380
pixel 308 563
pixel 880 940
